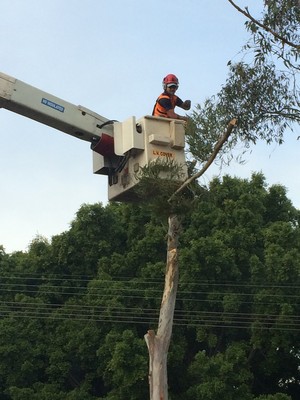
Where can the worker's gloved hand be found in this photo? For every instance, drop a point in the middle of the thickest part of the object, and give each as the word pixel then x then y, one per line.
pixel 187 104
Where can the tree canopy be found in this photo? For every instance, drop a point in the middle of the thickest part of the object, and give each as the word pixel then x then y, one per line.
pixel 262 87
pixel 74 310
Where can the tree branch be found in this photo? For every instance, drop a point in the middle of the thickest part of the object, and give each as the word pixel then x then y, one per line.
pixel 292 113
pixel 214 154
pixel 266 28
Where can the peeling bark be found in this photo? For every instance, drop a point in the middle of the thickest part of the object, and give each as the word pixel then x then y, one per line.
pixel 158 344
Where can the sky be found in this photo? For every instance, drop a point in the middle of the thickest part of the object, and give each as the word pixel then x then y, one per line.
pixel 109 56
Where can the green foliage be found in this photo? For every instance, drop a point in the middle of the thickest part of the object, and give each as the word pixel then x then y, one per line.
pixel 262 88
pixel 126 367
pixel 261 99
pixel 278 34
pixel 74 311
pixel 224 375
pixel 278 396
pixel 158 180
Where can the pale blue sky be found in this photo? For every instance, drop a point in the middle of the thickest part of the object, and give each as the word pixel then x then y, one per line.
pixel 109 56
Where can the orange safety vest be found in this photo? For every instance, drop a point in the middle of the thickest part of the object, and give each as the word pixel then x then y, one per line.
pixel 160 111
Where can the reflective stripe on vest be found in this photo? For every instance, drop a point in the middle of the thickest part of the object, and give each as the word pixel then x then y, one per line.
pixel 158 110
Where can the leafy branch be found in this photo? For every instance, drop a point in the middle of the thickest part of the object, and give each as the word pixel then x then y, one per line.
pixel 247 14
pixel 210 160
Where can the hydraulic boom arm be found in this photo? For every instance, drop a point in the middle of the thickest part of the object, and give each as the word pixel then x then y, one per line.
pixel 43 107
pixel 120 149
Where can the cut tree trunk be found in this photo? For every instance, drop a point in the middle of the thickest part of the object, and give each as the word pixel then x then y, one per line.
pixel 158 344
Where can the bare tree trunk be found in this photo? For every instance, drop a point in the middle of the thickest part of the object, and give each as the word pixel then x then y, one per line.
pixel 158 345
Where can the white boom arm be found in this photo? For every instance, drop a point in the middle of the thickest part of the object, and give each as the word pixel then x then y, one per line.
pixel 43 107
pixel 123 147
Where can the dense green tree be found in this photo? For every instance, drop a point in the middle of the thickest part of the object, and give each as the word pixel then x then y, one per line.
pixel 244 264
pixel 74 311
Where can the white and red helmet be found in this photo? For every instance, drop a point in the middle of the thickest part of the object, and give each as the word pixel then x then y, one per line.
pixel 170 80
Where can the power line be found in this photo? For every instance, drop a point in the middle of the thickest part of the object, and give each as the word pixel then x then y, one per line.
pixel 129 320
pixel 91 289
pixel 149 316
pixel 83 308
pixel 125 287
pixel 136 280
pixel 117 293
pixel 142 298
